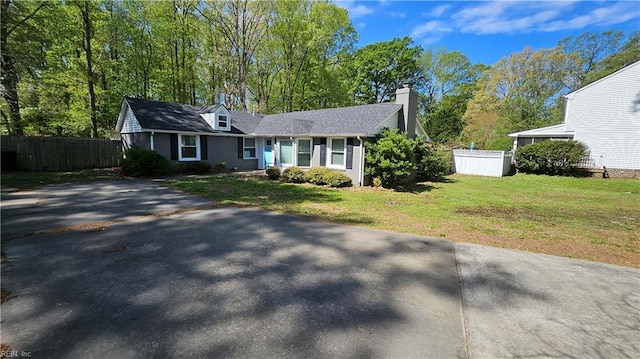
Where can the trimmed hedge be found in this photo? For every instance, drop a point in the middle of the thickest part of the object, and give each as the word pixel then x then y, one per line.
pixel 273 173
pixel 325 176
pixel 551 158
pixel 138 162
pixel 294 175
pixel 316 175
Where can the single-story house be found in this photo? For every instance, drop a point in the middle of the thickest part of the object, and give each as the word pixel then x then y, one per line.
pixel 331 138
pixel 605 116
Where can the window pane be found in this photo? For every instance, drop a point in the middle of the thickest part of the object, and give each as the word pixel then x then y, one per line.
pixel 337 144
pixel 222 121
pixel 249 142
pixel 249 152
pixel 188 152
pixel 188 140
pixel 286 152
pixel 337 158
pixel 304 146
pixel 304 160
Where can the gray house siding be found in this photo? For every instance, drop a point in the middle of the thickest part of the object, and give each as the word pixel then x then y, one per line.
pixel 319 158
pixel 162 144
pixel 225 149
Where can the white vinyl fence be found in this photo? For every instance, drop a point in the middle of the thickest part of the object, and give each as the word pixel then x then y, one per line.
pixel 481 163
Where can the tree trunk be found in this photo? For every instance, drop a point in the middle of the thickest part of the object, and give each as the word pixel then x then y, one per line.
pixel 86 25
pixel 9 76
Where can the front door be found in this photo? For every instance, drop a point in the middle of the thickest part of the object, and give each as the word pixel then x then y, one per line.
pixel 268 152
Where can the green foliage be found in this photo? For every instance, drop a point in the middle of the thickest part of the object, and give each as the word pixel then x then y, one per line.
pixel 220 167
pixel 273 173
pixel 316 175
pixel 195 167
pixel 376 70
pixel 337 179
pixel 327 176
pixel 431 164
pixel 377 182
pixel 500 144
pixel 390 157
pixel 140 162
pixel 294 175
pixel 551 157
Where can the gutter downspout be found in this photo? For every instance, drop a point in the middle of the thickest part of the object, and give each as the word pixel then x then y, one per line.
pixel 151 142
pixel 361 171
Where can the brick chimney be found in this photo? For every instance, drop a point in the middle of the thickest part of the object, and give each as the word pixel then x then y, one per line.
pixel 408 98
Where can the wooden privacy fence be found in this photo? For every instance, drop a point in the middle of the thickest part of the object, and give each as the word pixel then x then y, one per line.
pixel 482 163
pixel 60 153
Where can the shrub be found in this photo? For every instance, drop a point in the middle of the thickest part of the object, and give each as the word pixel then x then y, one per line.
pixel 327 176
pixel 194 167
pixel 140 162
pixel 390 157
pixel 551 157
pixel 501 144
pixel 294 175
pixel 336 179
pixel 431 163
pixel 377 182
pixel 220 167
pixel 317 175
pixel 273 173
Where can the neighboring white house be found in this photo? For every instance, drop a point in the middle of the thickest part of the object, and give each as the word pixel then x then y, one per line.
pixel 605 116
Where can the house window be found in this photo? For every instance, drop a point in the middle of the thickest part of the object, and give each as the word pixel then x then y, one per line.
pixel 304 153
pixel 337 152
pixel 223 122
pixel 189 148
pixel 249 148
pixel 286 152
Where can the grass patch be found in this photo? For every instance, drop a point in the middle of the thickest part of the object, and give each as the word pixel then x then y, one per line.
pixel 586 218
pixel 24 180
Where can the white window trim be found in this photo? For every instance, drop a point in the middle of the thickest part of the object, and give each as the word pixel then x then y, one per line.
pixel 228 126
pixel 186 159
pixel 244 147
pixel 297 147
pixel 330 150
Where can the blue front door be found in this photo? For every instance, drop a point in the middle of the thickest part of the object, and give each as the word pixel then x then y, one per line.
pixel 268 152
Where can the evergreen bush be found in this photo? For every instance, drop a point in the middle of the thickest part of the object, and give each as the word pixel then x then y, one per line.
pixel 138 162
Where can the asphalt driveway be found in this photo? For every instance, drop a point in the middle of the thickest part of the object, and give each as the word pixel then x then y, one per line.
pixel 230 282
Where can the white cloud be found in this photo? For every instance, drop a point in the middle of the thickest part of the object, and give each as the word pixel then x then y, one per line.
pixel 430 32
pixel 355 11
pixel 361 25
pixel 505 17
pixel 437 11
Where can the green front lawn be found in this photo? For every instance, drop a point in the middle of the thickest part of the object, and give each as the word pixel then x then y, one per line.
pixel 587 218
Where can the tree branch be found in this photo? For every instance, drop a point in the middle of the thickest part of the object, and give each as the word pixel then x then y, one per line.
pixel 26 18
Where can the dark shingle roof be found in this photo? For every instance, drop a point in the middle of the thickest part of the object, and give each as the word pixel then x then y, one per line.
pixel 356 120
pixel 155 115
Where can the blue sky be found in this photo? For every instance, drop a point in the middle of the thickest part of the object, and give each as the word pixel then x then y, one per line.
pixel 486 31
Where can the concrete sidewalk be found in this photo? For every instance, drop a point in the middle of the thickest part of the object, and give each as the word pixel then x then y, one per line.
pixel 529 305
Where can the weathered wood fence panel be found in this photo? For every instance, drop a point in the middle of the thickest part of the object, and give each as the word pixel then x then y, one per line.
pixel 62 153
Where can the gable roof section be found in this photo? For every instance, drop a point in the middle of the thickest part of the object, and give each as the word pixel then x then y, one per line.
pixel 550 131
pixel 354 120
pixel 173 117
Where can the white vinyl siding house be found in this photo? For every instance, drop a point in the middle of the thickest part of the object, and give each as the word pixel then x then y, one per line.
pixel 605 116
